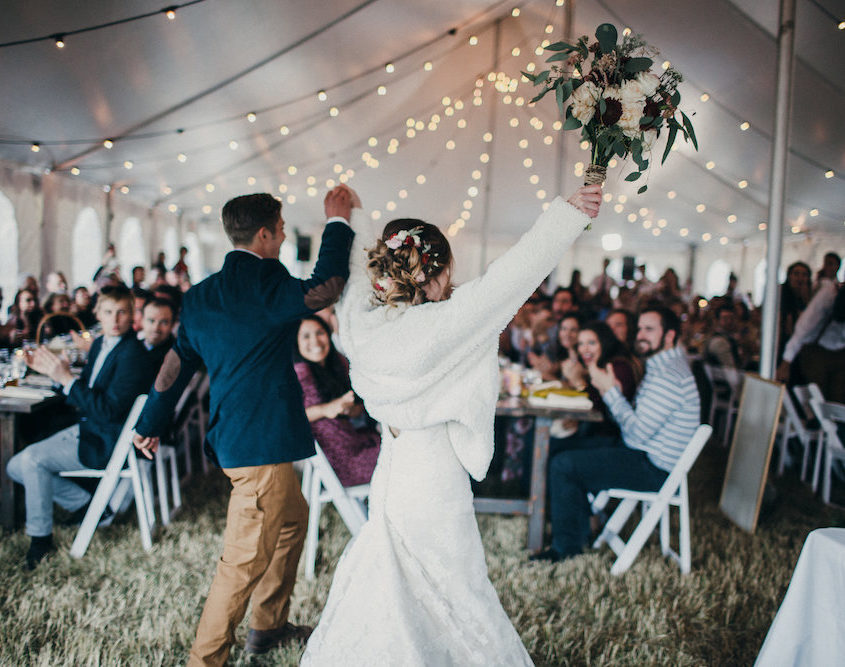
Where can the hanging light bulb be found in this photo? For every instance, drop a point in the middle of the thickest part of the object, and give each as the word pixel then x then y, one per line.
pixel 74 171
pixel 251 117
pixel 108 143
pixel 322 96
pixel 128 164
pixel 60 41
pixel 170 12
pixel 35 147
pixel 389 68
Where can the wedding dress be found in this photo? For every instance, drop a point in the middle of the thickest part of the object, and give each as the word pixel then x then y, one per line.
pixel 412 588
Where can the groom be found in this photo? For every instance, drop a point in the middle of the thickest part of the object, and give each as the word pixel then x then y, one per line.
pixel 241 323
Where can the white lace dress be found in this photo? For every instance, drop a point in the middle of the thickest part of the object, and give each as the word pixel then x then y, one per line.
pixel 412 588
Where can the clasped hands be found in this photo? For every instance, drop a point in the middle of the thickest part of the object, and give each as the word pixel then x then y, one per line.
pixel 602 379
pixel 54 366
pixel 340 201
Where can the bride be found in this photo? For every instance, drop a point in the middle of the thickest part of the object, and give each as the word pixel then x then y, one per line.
pixel 412 588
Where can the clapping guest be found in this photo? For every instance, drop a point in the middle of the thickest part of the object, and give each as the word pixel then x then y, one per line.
pixel 598 348
pixel 654 433
pixel 117 371
pixel 338 420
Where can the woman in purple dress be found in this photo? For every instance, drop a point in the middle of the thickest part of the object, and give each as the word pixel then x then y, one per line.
pixel 340 425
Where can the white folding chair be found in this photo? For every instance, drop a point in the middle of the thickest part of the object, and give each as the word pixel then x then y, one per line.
pixel 124 452
pixel 656 506
pixel 195 417
pixel 831 449
pixel 320 485
pixel 794 425
pixel 725 385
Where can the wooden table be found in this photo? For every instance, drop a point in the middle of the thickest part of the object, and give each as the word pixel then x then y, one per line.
pixel 535 505
pixel 10 408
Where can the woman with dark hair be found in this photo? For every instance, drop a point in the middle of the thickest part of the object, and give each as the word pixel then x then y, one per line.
pixel 338 421
pixel 412 588
pixel 598 347
pixel 795 293
pixel 58 302
pixel 24 316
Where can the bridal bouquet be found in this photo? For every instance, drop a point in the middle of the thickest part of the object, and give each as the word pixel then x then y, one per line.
pixel 617 101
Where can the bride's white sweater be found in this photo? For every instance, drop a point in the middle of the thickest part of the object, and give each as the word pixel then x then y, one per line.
pixel 436 363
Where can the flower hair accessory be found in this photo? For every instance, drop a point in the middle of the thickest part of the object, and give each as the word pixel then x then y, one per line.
pixel 384 283
pixel 405 237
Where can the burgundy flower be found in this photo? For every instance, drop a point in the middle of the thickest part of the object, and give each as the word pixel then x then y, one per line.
pixel 424 258
pixel 612 112
pixel 651 109
pixel 409 240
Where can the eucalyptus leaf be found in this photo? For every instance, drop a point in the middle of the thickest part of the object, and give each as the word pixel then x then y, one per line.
pixel 690 131
pixel 645 121
pixel 602 106
pixel 676 98
pixel 642 189
pixel 541 77
pixel 557 56
pixel 561 46
pixel 673 132
pixel 571 123
pixel 559 97
pixel 637 149
pixel 619 148
pixel 606 35
pixel 638 65
pixel 541 95
pixel 633 176
pixel 528 76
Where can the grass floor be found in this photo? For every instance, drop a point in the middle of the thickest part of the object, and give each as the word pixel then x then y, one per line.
pixel 121 606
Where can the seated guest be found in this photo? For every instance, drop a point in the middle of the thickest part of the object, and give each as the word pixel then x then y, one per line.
pixel 140 298
pixel 624 326
pixel 139 275
pixel 24 316
pixel 654 434
pixel 598 348
pixel 58 302
pixel 339 423
pixel 118 370
pixel 563 303
pixel 56 283
pixel 157 329
pixel 171 293
pixel 82 307
pixel 722 348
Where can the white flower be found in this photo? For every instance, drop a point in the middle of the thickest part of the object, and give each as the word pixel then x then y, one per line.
pixel 630 120
pixel 649 138
pixel 632 92
pixel 648 82
pixel 584 101
pixel 612 93
pixel 403 234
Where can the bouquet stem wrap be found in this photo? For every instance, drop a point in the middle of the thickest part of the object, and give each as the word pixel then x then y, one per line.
pixel 595 174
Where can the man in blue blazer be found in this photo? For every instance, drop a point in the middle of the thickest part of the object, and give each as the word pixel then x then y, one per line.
pixel 117 371
pixel 241 323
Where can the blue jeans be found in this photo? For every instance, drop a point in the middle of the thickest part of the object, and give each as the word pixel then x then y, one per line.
pixel 573 474
pixel 37 467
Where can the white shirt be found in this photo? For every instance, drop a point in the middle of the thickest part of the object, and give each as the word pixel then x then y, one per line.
pixel 109 343
pixel 813 320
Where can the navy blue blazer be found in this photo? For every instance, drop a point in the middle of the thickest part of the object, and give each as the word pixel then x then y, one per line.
pixel 103 408
pixel 242 323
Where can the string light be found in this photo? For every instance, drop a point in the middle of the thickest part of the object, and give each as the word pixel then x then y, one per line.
pixel 710 164
pixel 828 173
pixel 124 189
pixel 74 171
pixel 744 125
pixel 250 180
pixel 209 187
pixel 515 12
pixel 742 184
pixel 170 12
pixel 632 217
pixel 233 145
pixel 128 164
pixel 731 218
pixel 473 40
pixel 333 112
pixel 389 68
pixel 35 148
pixel 427 66
pixel 701 208
pixel 206 209
pixel 381 90
pixel 706 236
pixel 683 231
pixel 322 96
pixel 181 157
pixel 814 212
pixel 60 41
pixel 108 143
pixel 762 226
pixel 284 130
pixel 173 208
pixel 251 117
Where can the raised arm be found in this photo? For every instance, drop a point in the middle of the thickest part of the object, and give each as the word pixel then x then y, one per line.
pixel 481 308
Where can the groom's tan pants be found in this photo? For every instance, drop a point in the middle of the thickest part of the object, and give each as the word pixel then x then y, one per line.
pixel 265 530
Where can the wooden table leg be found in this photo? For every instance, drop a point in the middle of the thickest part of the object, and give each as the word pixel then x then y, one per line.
pixel 7 486
pixel 537 519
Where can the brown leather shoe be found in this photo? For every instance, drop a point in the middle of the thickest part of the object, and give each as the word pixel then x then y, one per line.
pixel 261 641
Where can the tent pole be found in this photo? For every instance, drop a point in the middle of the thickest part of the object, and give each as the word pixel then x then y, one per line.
pixel 488 187
pixel 777 187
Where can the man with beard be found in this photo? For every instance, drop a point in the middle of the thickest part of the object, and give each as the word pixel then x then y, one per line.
pixel 653 434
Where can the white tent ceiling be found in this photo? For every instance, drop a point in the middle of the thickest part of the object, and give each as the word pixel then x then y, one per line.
pixel 162 88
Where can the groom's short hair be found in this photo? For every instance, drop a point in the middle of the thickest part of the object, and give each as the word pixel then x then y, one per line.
pixel 243 216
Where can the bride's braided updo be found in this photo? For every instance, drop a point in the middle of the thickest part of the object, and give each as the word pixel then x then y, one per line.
pixel 409 254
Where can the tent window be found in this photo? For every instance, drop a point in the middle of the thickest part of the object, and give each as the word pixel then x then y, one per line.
pixel 8 253
pixel 86 247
